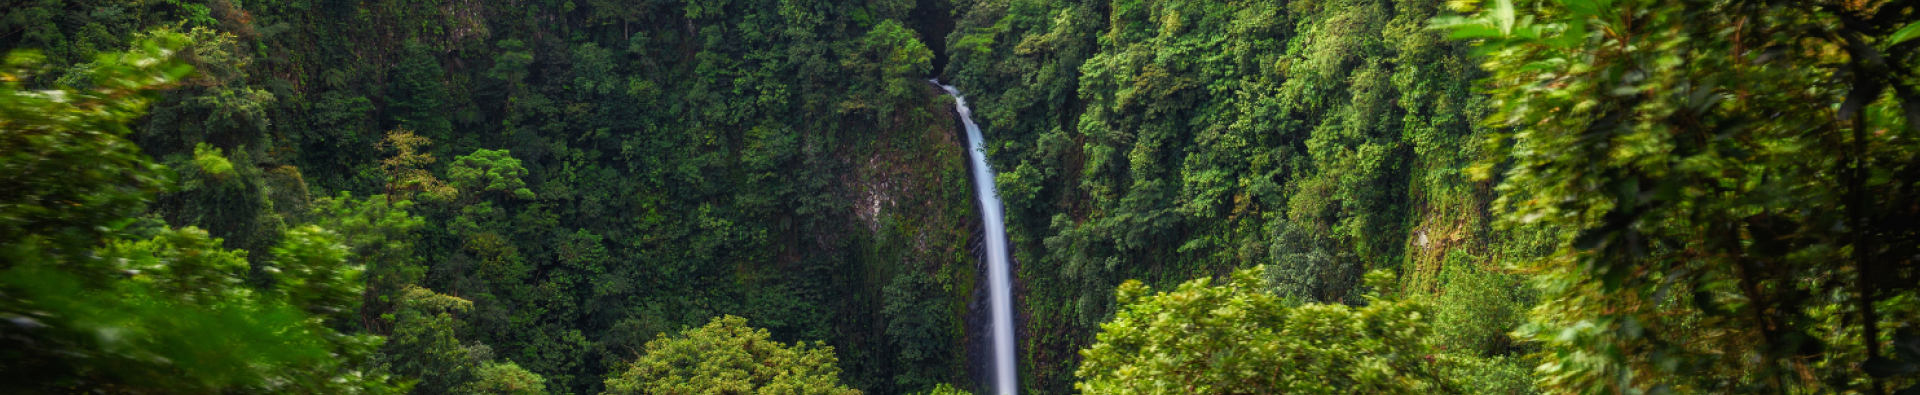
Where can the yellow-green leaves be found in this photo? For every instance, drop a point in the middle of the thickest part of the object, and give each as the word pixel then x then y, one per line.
pixel 728 357
pixel 1236 338
pixel 210 160
pixel 184 263
pixel 406 170
pixel 506 379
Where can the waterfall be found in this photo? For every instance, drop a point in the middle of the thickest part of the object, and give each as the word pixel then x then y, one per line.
pixel 999 280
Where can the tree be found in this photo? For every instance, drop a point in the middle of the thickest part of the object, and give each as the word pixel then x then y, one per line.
pixel 892 57
pixel 215 105
pixel 1736 182
pixel 312 265
pixel 87 307
pixel 406 169
pixel 423 344
pixel 728 357
pixel 424 348
pixel 919 320
pixel 418 93
pixel 505 379
pixel 64 158
pixel 1237 338
pixel 488 171
pixel 943 389
pixel 380 234
pixel 212 162
pixel 211 129
pixel 183 321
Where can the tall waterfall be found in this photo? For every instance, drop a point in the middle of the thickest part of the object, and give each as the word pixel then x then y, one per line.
pixel 1000 281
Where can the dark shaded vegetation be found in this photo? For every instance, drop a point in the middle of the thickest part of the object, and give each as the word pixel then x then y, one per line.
pixel 585 175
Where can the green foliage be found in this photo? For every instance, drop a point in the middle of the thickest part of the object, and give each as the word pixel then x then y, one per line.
pixel 727 356
pixel 1477 306
pixel 210 161
pixel 233 204
pixel 488 171
pixel 423 345
pixel 943 389
pixel 185 263
pixel 1490 375
pixel 211 129
pixel 511 65
pixel 1711 196
pixel 406 170
pixel 896 59
pixel 380 234
pixel 419 94
pixel 1310 268
pixel 216 105
pixel 87 311
pixel 505 379
pixel 1171 140
pixel 678 161
pixel 918 323
pixel 1735 182
pixel 63 156
pixel 184 325
pixel 310 267
pixel 1237 339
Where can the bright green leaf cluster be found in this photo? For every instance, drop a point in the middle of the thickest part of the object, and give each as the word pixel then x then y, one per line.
pixel 210 160
pixel 728 357
pixel 1236 338
pixel 488 171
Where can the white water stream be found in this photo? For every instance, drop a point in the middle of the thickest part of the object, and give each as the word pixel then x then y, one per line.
pixel 999 278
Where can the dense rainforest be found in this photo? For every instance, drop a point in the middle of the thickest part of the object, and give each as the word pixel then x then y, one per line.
pixel 769 197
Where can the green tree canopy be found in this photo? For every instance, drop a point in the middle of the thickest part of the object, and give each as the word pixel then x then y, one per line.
pixel 1238 338
pixel 729 357
pixel 505 378
pixel 85 306
pixel 64 158
pixel 489 170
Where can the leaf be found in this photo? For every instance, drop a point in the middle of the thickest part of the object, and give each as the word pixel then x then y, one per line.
pixel 1544 65
pixel 1574 35
pixel 1583 8
pixel 1469 30
pixel 1503 16
pixel 1906 33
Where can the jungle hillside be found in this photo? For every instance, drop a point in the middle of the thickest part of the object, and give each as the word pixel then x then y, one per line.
pixel 657 197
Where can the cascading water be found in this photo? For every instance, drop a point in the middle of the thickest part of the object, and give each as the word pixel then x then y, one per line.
pixel 999 278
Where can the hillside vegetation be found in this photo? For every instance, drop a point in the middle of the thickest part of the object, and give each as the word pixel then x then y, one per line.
pixel 678 197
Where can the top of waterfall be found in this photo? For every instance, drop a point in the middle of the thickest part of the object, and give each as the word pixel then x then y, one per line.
pixel 959 100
